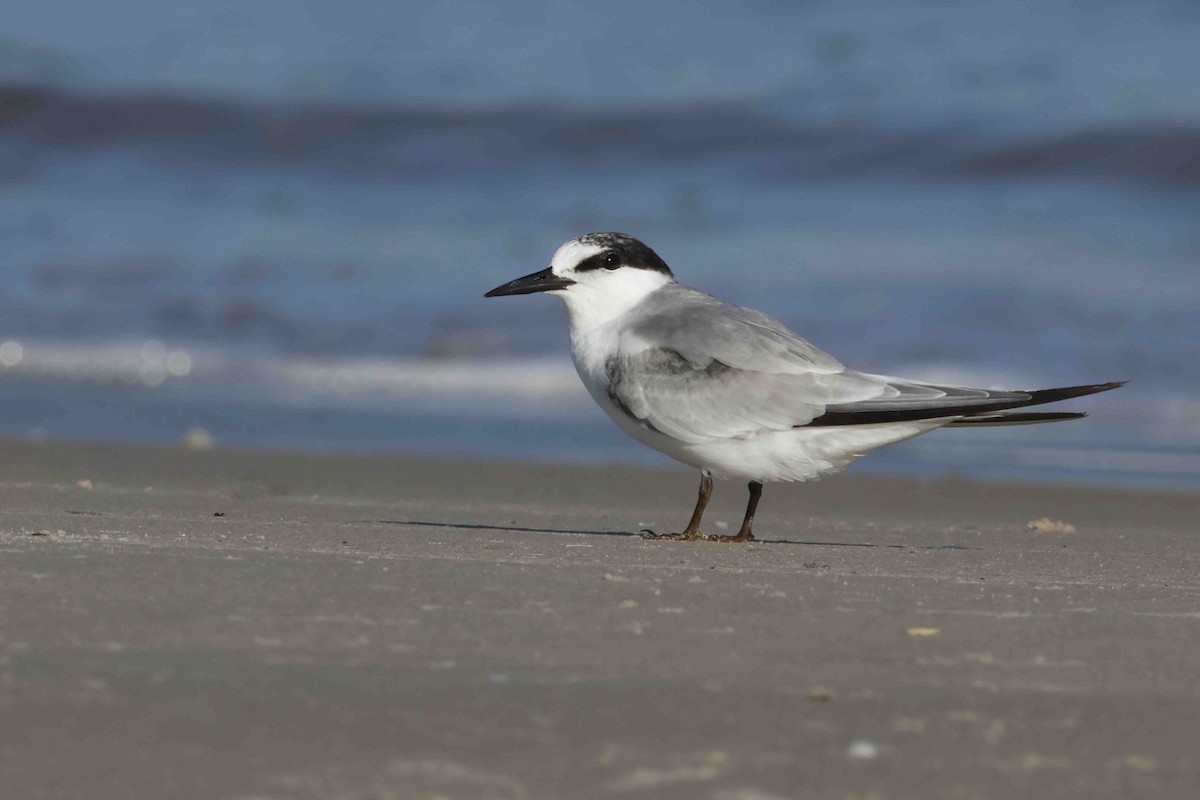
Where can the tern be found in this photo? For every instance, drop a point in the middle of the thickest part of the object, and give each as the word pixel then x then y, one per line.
pixel 733 392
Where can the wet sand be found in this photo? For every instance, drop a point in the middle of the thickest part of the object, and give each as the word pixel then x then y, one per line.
pixel 220 624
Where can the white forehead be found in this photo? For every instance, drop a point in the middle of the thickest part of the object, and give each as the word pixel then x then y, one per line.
pixel 571 254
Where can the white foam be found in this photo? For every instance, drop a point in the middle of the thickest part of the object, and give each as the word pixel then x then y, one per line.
pixel 498 388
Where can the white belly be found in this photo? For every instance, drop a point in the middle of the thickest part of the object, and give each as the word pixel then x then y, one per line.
pixel 799 454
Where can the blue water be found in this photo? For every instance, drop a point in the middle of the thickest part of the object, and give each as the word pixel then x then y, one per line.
pixel 275 221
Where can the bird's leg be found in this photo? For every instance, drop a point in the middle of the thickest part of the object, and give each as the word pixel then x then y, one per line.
pixel 692 531
pixel 744 534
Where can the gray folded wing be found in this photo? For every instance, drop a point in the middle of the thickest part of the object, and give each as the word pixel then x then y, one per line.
pixel 701 328
pixel 697 369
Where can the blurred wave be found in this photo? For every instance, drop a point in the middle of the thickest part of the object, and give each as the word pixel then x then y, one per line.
pixel 422 143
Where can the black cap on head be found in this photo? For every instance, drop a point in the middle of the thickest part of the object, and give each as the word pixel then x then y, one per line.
pixel 629 252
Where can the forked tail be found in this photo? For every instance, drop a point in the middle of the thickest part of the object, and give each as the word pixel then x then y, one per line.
pixel 1017 418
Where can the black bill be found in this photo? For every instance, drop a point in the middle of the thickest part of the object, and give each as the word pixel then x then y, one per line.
pixel 544 281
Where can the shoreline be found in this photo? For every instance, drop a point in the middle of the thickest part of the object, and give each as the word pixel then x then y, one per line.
pixel 858 472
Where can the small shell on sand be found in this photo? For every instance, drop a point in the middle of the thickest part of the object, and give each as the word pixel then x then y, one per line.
pixel 922 632
pixel 1047 525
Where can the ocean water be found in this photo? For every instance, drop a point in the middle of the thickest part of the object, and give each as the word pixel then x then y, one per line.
pixel 276 223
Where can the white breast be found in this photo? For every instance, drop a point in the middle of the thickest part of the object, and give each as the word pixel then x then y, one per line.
pixel 591 351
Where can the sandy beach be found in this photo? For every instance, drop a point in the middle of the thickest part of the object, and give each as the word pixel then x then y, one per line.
pixel 220 624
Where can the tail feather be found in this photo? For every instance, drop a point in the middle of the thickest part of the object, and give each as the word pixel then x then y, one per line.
pixel 1028 418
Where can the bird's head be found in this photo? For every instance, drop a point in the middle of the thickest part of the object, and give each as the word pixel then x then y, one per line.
pixel 599 276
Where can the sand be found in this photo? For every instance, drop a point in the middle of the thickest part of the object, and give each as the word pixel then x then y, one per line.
pixel 217 624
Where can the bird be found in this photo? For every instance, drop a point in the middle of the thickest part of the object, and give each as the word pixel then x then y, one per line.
pixel 730 390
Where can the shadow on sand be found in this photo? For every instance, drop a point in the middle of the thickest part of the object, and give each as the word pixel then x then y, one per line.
pixel 518 529
pixel 629 534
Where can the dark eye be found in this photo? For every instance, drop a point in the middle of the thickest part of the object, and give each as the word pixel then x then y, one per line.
pixel 611 261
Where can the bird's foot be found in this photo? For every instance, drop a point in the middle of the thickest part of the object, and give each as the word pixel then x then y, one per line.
pixel 686 536
pixel 741 536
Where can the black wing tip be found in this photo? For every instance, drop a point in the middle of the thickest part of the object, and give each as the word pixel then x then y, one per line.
pixel 1103 387
pixel 1095 387
pixel 1034 398
pixel 1038 396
